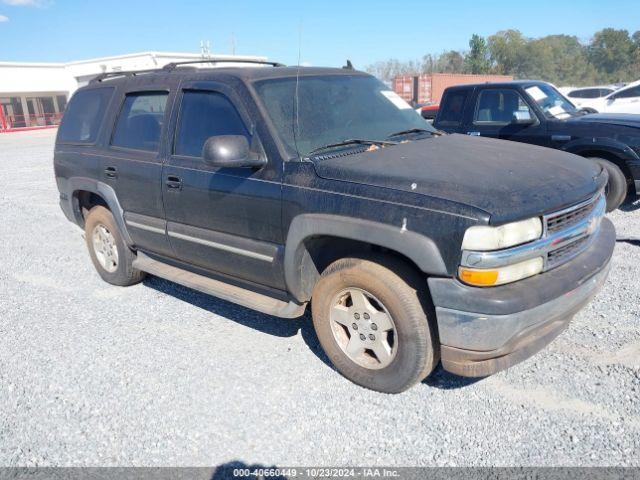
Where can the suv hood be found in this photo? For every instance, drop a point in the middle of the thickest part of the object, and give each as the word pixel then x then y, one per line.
pixel 508 180
pixel 621 119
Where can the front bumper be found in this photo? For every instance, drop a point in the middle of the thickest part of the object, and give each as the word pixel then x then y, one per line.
pixel 485 330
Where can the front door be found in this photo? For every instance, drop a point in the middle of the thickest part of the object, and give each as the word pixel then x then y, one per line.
pixel 624 101
pixel 494 112
pixel 224 220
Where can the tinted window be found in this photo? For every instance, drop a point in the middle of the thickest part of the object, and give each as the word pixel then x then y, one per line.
pixel 453 105
pixel 630 92
pixel 605 91
pixel 84 116
pixel 592 93
pixel 500 106
pixel 588 93
pixel 140 121
pixel 204 115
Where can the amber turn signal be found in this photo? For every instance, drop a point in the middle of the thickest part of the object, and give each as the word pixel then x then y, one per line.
pixel 481 278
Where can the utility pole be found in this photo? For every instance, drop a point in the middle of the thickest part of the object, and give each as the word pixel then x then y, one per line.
pixel 233 43
pixel 205 49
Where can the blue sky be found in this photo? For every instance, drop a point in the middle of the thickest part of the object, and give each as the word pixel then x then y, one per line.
pixel 364 31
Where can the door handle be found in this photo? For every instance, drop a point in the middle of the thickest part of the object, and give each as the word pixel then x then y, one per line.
pixel 173 182
pixel 111 172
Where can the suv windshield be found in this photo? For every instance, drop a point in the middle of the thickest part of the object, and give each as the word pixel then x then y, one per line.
pixel 336 108
pixel 552 102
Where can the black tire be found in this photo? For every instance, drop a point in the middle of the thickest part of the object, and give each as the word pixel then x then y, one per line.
pixel 617 186
pixel 123 273
pixel 399 291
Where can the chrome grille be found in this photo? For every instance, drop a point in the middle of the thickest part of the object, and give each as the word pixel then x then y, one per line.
pixel 566 253
pixel 565 219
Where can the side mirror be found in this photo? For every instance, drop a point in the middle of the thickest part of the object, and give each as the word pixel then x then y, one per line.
pixel 522 117
pixel 230 151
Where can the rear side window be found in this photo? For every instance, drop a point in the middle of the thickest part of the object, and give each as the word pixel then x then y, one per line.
pixel 84 115
pixel 588 93
pixel 140 121
pixel 453 108
pixel 204 115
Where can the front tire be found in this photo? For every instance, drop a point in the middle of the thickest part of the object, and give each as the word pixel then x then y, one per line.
pixel 617 186
pixel 111 257
pixel 371 321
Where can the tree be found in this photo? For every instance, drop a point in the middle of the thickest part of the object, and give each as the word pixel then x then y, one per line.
pixel 560 59
pixel 612 56
pixel 450 62
pixel 477 60
pixel 386 70
pixel 612 53
pixel 508 51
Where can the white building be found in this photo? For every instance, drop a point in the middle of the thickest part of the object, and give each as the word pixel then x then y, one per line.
pixel 34 95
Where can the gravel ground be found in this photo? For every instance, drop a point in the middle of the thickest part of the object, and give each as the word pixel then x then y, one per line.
pixel 157 374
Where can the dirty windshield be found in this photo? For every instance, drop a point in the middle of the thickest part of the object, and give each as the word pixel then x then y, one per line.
pixel 336 108
pixel 552 103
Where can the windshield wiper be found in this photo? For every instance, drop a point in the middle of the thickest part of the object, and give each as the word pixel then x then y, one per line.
pixel 410 130
pixel 351 141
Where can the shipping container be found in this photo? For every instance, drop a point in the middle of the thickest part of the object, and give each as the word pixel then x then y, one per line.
pixel 428 89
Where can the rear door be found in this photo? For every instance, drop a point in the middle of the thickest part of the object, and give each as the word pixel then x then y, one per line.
pixel 133 164
pixel 493 114
pixel 225 220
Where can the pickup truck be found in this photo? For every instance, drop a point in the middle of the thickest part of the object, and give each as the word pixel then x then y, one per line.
pixel 535 112
pixel 280 188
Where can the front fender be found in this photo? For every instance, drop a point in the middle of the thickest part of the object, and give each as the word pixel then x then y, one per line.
pixel 300 276
pixel 609 145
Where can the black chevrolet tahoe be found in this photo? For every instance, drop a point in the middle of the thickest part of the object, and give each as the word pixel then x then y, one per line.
pixel 535 112
pixel 277 188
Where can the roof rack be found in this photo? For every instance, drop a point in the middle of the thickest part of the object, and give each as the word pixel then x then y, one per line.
pixel 128 73
pixel 169 67
pixel 172 66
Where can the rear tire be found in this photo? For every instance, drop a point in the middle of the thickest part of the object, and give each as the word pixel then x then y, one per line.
pixel 110 255
pixel 617 186
pixel 371 321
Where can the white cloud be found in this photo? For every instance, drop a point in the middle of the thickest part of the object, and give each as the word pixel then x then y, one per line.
pixel 3 19
pixel 24 3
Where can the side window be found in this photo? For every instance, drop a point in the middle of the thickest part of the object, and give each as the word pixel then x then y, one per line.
pixel 629 93
pixel 592 93
pixel 500 107
pixel 204 115
pixel 577 94
pixel 140 121
pixel 453 109
pixel 84 115
pixel 605 91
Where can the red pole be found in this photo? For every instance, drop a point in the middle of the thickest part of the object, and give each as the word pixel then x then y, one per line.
pixel 3 122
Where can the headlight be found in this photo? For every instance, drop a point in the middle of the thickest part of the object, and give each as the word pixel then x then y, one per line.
pixel 501 275
pixel 484 238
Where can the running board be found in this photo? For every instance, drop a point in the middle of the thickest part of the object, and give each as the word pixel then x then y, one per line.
pixel 225 291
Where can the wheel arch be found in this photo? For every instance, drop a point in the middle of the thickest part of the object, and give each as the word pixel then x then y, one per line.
pixel 614 151
pixel 309 233
pixel 80 187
